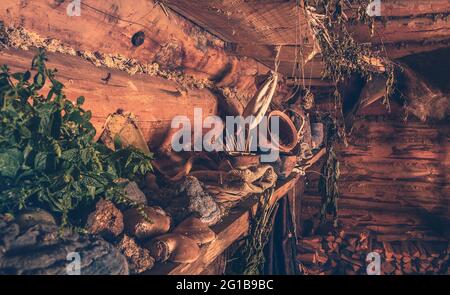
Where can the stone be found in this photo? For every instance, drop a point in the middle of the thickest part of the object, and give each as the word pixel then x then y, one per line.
pixel 44 249
pixel 139 258
pixel 106 220
pixel 134 194
pixel 192 199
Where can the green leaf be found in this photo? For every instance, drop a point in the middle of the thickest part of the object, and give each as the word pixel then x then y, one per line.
pixel 117 142
pixel 40 161
pixel 84 155
pixel 91 190
pixel 22 77
pixel 76 117
pixel 56 124
pixel 39 81
pixel 24 131
pixel 10 162
pixel 70 154
pixel 80 100
pixel 27 76
pixel 48 156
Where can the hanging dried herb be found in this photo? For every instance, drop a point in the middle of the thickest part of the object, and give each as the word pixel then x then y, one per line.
pixel 342 55
pixel 329 177
pixel 48 157
pixel 251 254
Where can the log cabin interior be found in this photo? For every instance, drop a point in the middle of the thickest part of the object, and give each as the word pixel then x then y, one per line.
pixel 115 134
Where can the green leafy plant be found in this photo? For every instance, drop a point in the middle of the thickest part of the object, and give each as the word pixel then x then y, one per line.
pixel 48 156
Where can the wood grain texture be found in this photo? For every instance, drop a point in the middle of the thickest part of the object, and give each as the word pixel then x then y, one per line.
pixel 154 101
pixel 394 178
pixel 108 27
pixel 257 27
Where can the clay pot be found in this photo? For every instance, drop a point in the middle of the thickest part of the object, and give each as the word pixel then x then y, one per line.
pixel 173 247
pixel 288 135
pixel 196 230
pixel 138 226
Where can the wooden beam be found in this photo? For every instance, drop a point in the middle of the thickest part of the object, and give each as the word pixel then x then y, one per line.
pixel 155 101
pixel 401 49
pixel 413 7
pixel 244 22
pixel 268 52
pixel 109 26
pixel 405 29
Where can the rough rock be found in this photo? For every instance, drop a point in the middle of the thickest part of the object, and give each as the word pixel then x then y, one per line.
pixel 132 191
pixel 44 249
pixel 134 194
pixel 139 259
pixel 192 198
pixel 106 220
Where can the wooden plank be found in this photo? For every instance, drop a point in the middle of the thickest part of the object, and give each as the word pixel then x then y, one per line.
pixel 234 226
pixel 244 22
pixel 396 8
pixel 394 177
pixel 397 30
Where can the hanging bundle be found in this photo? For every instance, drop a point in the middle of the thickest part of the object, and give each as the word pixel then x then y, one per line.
pixel 259 104
pixel 251 255
pixel 329 177
pixel 328 188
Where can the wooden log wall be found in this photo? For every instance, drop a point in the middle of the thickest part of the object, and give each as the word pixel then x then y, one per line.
pixel 154 100
pixel 395 180
pixel 109 26
pixel 106 30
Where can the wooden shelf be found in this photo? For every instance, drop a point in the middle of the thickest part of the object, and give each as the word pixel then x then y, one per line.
pixel 233 226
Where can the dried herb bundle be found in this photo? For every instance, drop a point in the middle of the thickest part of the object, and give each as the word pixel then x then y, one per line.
pixel 341 53
pixel 329 177
pixel 48 157
pixel 252 251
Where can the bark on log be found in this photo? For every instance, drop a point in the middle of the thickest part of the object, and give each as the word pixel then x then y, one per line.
pixel 109 26
pixel 154 101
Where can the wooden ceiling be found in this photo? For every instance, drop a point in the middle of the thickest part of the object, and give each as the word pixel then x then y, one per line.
pixel 256 27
